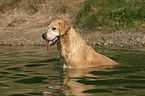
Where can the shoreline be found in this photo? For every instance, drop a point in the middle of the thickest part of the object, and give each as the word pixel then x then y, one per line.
pixel 115 39
pixel 24 25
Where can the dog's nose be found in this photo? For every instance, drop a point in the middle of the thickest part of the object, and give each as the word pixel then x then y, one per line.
pixel 44 35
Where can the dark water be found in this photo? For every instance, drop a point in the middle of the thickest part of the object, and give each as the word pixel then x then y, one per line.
pixel 33 71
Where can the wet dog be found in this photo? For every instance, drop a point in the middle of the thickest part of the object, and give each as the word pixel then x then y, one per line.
pixel 73 50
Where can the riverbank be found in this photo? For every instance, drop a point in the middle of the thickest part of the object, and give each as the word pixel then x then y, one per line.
pixel 22 22
pixel 114 39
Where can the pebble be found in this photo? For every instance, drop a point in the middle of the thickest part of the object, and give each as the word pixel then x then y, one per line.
pixel 120 39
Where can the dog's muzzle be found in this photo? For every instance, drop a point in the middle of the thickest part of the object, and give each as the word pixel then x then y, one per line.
pixel 50 42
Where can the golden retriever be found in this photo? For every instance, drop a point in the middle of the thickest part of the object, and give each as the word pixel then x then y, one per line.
pixel 73 50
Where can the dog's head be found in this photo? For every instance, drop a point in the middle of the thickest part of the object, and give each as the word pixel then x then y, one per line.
pixel 56 29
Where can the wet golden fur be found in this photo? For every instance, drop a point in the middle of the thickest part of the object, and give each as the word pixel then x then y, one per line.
pixel 74 51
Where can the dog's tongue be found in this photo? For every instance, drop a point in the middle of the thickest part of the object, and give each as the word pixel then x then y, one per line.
pixel 48 45
pixel 50 42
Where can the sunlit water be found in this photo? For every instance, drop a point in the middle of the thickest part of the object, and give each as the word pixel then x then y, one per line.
pixel 33 71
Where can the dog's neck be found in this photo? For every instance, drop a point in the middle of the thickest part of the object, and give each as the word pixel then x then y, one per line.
pixel 69 44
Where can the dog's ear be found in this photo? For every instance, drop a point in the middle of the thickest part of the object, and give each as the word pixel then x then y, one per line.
pixel 63 27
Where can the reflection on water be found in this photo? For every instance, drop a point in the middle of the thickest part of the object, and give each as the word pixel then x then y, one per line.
pixel 33 71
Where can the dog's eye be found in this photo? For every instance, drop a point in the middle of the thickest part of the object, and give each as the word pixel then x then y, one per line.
pixel 53 28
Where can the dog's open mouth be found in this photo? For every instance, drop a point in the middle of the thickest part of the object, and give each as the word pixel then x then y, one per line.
pixel 51 42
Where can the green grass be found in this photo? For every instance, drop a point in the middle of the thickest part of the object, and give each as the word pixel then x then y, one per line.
pixel 110 15
pixel 94 15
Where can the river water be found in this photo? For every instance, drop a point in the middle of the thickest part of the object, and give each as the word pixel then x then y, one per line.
pixel 33 71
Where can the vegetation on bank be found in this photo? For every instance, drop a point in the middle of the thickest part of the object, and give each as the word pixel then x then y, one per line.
pixel 112 15
pixel 30 6
pixel 94 15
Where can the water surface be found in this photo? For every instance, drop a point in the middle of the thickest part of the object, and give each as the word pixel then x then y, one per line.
pixel 33 71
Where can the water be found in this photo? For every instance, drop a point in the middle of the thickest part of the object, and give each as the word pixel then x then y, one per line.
pixel 33 71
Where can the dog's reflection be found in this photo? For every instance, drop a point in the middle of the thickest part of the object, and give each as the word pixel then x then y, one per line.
pixel 71 86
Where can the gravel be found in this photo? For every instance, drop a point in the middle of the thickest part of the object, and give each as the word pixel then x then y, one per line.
pixel 116 39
